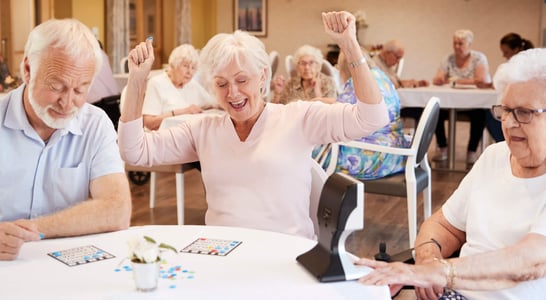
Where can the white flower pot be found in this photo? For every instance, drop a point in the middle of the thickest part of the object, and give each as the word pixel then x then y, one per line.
pixel 146 275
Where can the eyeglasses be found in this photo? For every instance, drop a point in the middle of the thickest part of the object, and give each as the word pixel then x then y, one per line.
pixel 304 63
pixel 522 115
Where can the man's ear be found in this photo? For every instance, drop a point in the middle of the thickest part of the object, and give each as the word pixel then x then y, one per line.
pixel 26 70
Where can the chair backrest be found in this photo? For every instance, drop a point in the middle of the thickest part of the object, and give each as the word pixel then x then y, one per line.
pixel 331 71
pixel 318 178
pixel 274 59
pixel 425 128
pixel 400 67
pixel 124 65
pixel 290 66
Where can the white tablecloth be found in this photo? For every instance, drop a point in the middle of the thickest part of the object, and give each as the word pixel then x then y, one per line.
pixel 264 266
pixel 452 98
pixel 459 98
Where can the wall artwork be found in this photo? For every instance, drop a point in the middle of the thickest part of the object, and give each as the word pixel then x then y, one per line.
pixel 251 16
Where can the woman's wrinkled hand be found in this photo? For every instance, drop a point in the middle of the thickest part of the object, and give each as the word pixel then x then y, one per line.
pixel 141 59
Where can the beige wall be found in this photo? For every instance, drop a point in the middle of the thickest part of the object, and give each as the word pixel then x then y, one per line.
pixel 203 16
pixel 424 26
pixel 91 13
pixel 22 22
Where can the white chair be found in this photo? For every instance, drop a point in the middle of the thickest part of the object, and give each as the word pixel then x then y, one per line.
pixel 400 67
pixel 318 178
pixel 415 179
pixel 331 71
pixel 274 60
pixel 290 66
pixel 179 172
pixel 124 65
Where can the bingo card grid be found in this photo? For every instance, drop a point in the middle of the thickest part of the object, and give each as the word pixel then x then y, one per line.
pixel 80 255
pixel 208 246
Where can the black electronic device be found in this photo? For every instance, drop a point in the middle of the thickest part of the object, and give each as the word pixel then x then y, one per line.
pixel 340 212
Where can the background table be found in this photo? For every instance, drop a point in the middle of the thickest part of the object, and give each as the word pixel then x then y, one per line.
pixel 453 99
pixel 263 267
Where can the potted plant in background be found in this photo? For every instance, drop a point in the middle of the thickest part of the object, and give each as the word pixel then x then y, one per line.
pixel 145 255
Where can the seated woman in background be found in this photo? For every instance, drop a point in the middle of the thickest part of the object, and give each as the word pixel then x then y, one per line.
pixel 366 164
pixel 497 215
pixel 464 66
pixel 510 45
pixel 175 92
pixel 309 83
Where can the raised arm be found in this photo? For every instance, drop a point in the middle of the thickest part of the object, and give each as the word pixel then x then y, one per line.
pixel 340 26
pixel 140 62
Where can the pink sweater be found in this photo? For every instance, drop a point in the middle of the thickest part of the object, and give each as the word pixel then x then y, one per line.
pixel 263 182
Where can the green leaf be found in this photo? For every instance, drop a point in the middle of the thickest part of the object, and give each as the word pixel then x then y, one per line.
pixel 150 240
pixel 167 247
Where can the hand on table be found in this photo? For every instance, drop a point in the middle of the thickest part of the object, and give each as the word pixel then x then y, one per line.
pixel 425 278
pixel 13 235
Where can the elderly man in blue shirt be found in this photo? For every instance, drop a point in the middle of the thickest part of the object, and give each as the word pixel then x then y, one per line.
pixel 61 172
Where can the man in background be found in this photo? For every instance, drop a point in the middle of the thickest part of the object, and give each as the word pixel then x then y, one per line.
pixel 389 59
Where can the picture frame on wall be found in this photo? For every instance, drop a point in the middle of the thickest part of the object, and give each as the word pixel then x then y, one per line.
pixel 251 16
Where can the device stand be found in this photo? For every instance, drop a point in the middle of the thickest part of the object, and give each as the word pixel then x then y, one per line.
pixel 340 212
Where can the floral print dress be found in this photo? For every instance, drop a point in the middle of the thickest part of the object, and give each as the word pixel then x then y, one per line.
pixel 365 164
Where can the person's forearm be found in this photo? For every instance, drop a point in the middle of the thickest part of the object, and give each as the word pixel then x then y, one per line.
pixel 134 99
pixel 366 88
pixel 502 268
pixel 107 213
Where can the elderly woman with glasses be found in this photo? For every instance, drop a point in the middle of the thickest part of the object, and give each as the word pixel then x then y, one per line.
pixel 309 83
pixel 497 216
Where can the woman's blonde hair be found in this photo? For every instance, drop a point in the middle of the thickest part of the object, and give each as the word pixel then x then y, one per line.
pixel 224 48
pixel 464 34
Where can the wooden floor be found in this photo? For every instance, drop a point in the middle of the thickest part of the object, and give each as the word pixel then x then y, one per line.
pixel 385 217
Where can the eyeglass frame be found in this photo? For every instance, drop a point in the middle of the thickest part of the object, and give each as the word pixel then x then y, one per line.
pixel 515 112
pixel 304 63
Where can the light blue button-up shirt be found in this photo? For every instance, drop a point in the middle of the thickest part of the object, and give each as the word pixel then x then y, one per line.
pixel 38 179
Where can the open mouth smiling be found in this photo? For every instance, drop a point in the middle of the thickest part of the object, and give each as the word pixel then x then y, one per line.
pixel 239 104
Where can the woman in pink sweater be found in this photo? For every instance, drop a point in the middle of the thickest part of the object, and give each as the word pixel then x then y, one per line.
pixel 255 159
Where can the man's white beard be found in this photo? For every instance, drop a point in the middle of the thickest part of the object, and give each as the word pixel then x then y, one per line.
pixel 42 113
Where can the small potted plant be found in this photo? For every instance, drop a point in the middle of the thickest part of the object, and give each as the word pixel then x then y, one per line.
pixel 145 255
